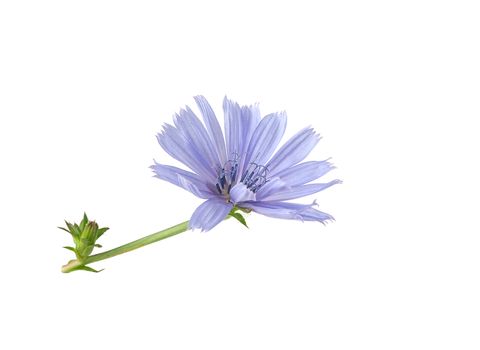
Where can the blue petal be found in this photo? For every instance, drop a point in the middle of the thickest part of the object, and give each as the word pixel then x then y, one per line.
pixel 288 183
pixel 240 123
pixel 297 192
pixel 250 119
pixel 240 193
pixel 295 176
pixel 181 149
pixel 182 178
pixel 193 130
pixel 292 211
pixel 273 185
pixel 293 151
pixel 213 127
pixel 209 214
pixel 304 172
pixel 266 138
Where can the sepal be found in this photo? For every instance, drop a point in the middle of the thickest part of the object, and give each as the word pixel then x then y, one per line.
pixel 234 213
pixel 85 236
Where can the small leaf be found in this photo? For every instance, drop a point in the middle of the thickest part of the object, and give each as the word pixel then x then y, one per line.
pixel 88 268
pixel 83 222
pixel 98 245
pixel 64 229
pixel 101 231
pixel 239 217
pixel 71 228
pixel 70 248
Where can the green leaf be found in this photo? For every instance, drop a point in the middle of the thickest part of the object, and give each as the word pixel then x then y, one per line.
pixel 88 268
pixel 71 228
pixel 70 248
pixel 239 217
pixel 101 231
pixel 83 222
pixel 64 229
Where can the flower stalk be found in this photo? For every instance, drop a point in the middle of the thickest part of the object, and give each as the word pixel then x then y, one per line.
pixel 85 230
pixel 155 237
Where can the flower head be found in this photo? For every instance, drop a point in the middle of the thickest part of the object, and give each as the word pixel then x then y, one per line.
pixel 242 170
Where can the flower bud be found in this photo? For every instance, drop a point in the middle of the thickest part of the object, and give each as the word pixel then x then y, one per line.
pixel 84 236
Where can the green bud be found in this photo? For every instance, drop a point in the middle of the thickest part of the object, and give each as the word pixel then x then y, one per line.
pixel 84 236
pixel 89 232
pixel 88 237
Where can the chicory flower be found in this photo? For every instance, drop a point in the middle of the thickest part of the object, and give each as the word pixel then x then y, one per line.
pixel 242 170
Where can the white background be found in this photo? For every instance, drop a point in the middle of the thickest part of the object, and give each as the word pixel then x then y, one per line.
pixel 393 87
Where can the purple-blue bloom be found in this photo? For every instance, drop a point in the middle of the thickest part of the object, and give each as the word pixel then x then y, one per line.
pixel 242 169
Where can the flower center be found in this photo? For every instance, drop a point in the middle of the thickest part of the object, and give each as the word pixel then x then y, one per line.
pixel 227 175
pixel 255 177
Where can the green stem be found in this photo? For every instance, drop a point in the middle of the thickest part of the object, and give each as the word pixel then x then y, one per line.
pixel 155 237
